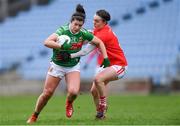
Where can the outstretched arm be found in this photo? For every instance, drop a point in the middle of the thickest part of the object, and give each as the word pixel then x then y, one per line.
pixel 85 51
pixel 100 45
pixel 89 48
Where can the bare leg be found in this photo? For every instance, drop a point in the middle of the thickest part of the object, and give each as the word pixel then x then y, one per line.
pixel 73 85
pixel 102 78
pixel 50 85
pixel 95 94
pixel 100 81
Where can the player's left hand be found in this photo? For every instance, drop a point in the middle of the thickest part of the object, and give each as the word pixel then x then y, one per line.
pixel 66 45
pixel 65 56
pixel 105 63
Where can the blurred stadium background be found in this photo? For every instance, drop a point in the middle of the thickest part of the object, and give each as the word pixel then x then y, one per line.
pixel 148 31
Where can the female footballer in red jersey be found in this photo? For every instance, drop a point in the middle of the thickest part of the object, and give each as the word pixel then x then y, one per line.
pixel 118 63
pixel 69 69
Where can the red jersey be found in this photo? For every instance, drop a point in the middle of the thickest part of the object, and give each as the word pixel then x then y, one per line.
pixel 114 51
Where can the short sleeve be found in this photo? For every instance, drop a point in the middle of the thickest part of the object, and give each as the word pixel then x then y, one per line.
pixel 87 35
pixel 59 31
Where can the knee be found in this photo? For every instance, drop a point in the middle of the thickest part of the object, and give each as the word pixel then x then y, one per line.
pixel 94 92
pixel 73 91
pixel 47 93
pixel 98 79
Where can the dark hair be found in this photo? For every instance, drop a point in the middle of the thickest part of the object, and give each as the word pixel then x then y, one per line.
pixel 104 15
pixel 80 14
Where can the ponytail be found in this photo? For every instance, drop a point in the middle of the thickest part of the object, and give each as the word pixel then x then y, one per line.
pixel 80 14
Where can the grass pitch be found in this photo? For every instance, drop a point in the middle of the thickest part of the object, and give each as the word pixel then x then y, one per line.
pixel 125 110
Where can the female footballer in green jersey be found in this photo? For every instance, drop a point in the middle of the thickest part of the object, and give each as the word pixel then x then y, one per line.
pixel 70 69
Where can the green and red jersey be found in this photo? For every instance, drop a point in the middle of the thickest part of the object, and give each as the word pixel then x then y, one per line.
pixel 77 41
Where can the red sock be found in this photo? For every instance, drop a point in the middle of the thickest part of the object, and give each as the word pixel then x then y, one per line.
pixel 102 100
